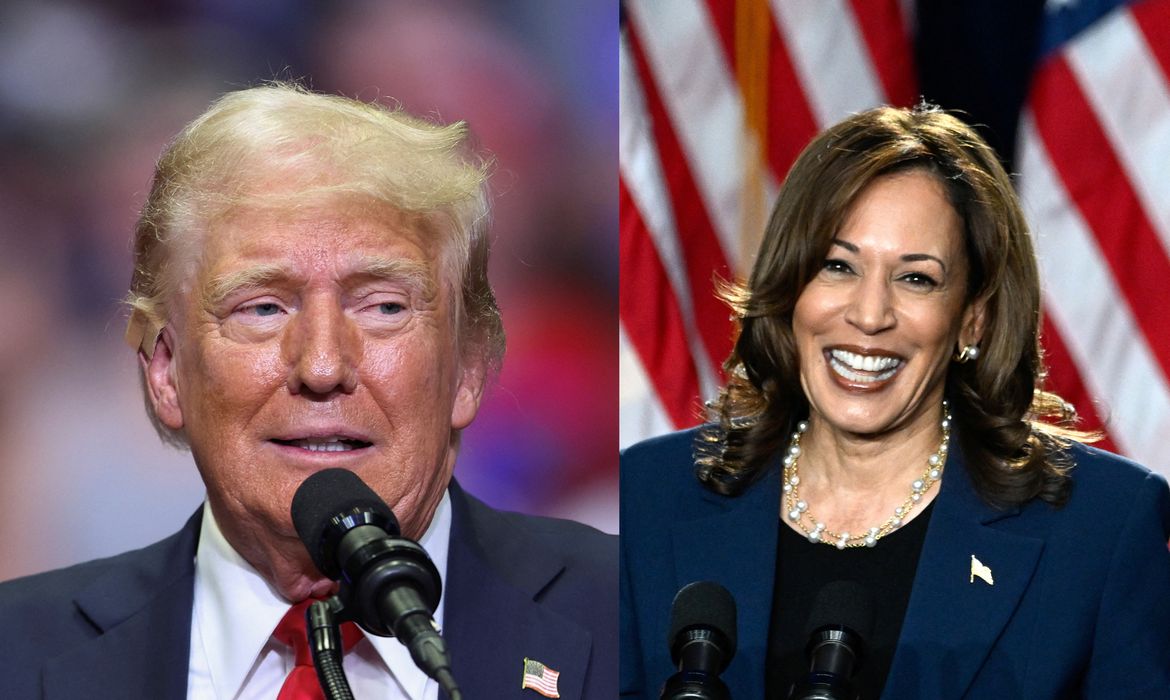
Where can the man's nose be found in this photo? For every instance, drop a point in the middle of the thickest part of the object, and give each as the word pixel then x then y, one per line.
pixel 871 306
pixel 322 347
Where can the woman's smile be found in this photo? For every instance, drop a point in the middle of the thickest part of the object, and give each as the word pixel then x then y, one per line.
pixel 877 326
pixel 862 371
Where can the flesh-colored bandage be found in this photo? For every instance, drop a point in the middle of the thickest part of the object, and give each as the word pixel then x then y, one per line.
pixel 139 330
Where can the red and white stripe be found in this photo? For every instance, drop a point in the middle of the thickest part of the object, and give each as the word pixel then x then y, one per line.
pixel 1094 149
pixel 542 679
pixel 685 155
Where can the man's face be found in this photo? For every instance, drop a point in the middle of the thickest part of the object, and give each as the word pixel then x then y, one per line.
pixel 300 342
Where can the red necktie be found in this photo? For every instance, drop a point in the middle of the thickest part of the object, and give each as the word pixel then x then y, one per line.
pixel 301 683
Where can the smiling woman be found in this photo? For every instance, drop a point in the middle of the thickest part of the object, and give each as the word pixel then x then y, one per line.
pixel 885 397
pixel 875 328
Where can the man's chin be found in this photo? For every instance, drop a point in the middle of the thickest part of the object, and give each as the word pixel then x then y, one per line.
pixel 302 587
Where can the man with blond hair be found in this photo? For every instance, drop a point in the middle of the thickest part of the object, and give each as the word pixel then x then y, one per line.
pixel 310 291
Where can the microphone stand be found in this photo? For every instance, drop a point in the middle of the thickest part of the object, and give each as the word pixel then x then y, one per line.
pixel 326 647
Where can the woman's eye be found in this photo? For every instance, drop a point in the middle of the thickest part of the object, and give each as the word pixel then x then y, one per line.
pixel 836 265
pixel 918 279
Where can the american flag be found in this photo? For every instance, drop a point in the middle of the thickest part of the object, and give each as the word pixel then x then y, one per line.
pixel 719 96
pixel 540 678
pixel 1094 161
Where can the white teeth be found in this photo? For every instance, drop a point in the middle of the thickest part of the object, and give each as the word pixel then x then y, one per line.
pixel 850 365
pixel 330 444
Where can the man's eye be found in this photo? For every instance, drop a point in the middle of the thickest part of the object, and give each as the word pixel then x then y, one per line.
pixel 391 307
pixel 265 309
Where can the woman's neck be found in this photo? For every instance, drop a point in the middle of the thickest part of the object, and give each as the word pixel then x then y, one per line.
pixel 853 482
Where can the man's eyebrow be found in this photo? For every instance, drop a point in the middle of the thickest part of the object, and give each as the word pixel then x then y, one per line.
pixel 223 286
pixel 413 273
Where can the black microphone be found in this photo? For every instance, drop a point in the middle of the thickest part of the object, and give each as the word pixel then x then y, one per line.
pixel 840 621
pixel 389 585
pixel 702 641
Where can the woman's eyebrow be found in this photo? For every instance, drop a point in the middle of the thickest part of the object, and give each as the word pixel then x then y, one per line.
pixel 920 257
pixel 909 257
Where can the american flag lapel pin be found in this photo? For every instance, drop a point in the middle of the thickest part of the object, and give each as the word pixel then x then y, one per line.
pixel 980 571
pixel 540 678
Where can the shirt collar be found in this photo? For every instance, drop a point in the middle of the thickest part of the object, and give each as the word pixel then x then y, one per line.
pixel 238 608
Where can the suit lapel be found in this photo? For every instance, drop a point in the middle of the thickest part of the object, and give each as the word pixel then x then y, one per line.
pixel 495 572
pixel 737 549
pixel 142 615
pixel 953 619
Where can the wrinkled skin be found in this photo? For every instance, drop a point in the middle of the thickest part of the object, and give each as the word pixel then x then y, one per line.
pixel 332 327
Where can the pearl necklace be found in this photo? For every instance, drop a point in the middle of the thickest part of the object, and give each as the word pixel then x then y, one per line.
pixel 799 514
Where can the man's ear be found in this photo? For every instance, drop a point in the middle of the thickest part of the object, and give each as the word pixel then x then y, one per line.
pixel 469 390
pixel 160 371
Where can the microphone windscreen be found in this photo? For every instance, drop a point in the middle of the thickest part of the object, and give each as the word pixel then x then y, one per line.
pixel 330 494
pixel 704 604
pixel 846 603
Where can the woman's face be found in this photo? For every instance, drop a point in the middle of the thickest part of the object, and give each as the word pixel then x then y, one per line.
pixel 878 324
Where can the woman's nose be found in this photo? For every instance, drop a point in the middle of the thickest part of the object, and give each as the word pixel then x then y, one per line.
pixel 871 308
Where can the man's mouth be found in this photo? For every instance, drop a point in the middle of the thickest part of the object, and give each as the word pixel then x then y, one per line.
pixel 863 368
pixel 325 444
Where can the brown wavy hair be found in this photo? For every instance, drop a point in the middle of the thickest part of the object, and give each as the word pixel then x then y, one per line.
pixel 1011 431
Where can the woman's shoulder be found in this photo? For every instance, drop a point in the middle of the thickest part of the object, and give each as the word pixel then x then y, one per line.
pixel 1098 475
pixel 665 459
pixel 1111 497
pixel 659 480
pixel 671 445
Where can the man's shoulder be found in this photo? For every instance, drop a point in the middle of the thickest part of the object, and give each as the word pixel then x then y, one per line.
pixel 581 547
pixel 521 585
pixel 44 592
pixel 57 614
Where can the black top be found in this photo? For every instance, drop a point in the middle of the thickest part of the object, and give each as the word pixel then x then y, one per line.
pixel 803 568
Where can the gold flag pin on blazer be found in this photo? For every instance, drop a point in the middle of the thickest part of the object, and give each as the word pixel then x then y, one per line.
pixel 978 570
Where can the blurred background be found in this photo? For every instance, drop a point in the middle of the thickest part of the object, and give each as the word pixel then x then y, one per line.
pixel 89 95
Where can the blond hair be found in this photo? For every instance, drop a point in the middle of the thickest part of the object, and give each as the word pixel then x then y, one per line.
pixel 317 148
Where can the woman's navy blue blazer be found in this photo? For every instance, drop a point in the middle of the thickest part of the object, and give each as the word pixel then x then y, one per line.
pixel 1079 608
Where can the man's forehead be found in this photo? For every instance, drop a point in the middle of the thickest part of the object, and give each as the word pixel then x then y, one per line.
pixel 321 233
pixel 255 246
pixel 338 222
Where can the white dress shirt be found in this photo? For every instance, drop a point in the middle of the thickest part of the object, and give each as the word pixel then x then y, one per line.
pixel 233 654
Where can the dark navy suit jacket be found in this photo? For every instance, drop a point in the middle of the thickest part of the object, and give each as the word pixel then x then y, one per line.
pixel 1080 605
pixel 517 586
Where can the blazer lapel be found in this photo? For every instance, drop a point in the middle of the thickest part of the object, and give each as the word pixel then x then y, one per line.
pixel 142 616
pixel 495 571
pixel 737 549
pixel 954 616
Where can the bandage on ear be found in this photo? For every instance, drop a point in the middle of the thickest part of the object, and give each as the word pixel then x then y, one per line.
pixel 142 334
